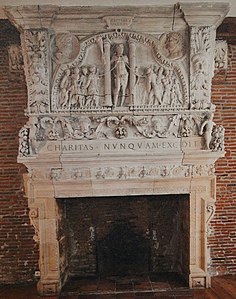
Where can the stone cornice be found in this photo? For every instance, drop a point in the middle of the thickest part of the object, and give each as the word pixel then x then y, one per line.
pixel 52 16
pixel 204 14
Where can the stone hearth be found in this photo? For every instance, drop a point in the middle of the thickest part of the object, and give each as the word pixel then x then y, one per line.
pixel 119 104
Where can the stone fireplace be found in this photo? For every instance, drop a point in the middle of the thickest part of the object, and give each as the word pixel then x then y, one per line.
pixel 120 113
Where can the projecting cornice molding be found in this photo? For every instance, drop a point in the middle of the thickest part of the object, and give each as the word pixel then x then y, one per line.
pixel 204 14
pixel 160 17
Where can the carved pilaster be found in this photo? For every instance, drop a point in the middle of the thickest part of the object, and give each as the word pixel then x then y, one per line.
pixel 202 49
pixel 36 60
pixel 107 61
pixel 132 48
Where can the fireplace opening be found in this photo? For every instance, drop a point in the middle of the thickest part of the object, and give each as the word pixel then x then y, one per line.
pixel 132 236
pixel 123 252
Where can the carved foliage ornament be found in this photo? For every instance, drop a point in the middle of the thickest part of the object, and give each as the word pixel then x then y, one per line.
pixel 36 50
pixel 201 66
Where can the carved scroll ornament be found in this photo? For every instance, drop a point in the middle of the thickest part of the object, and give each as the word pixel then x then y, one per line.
pixel 34 219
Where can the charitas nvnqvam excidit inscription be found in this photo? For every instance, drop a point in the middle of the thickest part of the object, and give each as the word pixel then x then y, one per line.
pixel 118 147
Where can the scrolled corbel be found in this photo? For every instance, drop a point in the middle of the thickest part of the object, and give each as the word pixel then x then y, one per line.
pixel 34 220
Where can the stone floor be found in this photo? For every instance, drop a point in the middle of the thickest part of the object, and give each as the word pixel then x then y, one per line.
pixel 223 287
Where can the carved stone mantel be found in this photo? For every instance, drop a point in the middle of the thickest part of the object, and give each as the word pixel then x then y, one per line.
pixel 119 97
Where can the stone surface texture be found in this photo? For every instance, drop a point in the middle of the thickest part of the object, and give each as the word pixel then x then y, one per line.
pixel 123 98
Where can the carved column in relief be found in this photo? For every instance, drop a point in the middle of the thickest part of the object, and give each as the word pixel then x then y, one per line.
pixel 132 48
pixel 107 49
pixel 202 49
pixel 36 60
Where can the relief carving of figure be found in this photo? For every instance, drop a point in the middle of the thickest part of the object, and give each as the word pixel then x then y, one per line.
pixel 173 45
pixel 207 128
pixel 167 83
pixel 153 95
pixel 92 87
pixel 34 126
pixel 65 86
pixel 82 86
pixel 15 57
pixel 74 89
pixel 119 64
pixel 175 93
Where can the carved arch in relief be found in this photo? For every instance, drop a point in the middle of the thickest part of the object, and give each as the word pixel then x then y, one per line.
pixel 117 70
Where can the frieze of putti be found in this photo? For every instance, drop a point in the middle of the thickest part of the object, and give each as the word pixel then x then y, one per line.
pixel 126 70
pixel 36 59
pixel 131 172
pixel 38 130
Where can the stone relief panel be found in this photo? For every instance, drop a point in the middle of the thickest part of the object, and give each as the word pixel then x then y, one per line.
pixel 118 85
pixel 15 57
pixel 36 55
pixel 120 70
pixel 221 55
pixel 202 41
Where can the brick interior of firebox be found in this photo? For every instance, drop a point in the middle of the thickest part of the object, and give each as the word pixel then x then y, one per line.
pixel 124 238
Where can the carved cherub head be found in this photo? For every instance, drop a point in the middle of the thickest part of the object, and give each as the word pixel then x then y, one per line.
pixel 84 70
pixel 92 69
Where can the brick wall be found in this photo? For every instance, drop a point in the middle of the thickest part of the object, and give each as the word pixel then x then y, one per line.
pixel 223 231
pixel 18 252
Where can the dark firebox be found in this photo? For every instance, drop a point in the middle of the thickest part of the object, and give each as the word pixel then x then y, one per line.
pixel 119 236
